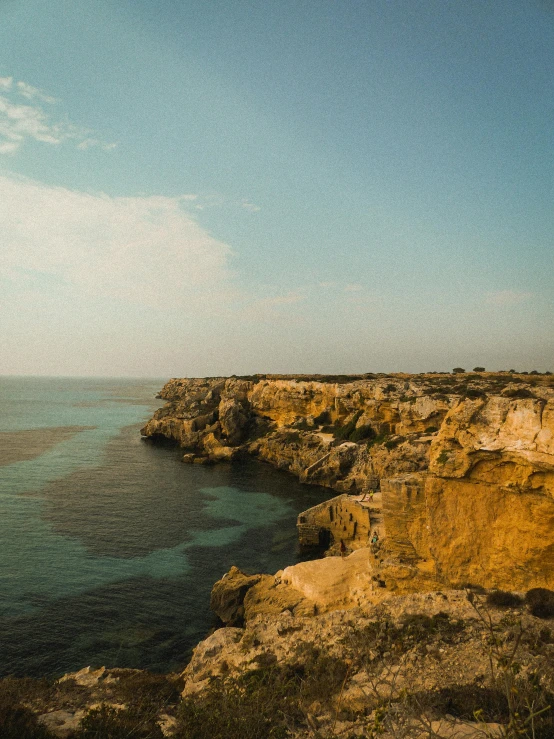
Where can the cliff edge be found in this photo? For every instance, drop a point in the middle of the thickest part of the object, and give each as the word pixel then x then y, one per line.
pixel 458 469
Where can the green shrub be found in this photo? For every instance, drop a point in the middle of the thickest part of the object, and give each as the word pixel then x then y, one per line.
pixel 329 430
pixel 458 370
pixel 302 425
pixel 362 432
pixel 378 439
pixel 343 432
pixel 324 418
pixel 291 437
pixel 443 457
pixel 247 708
pixel 518 393
pixel 540 602
pixel 379 637
pixel 463 702
pixel 503 599
pixel 473 392
pixel 393 443
pixel 18 722
pixel 266 702
pixel 478 369
pixel 147 689
pixel 419 626
pixel 107 722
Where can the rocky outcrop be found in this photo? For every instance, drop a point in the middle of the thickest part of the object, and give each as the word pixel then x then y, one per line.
pixel 417 665
pixel 227 598
pixel 464 464
pixel 484 511
pixel 292 422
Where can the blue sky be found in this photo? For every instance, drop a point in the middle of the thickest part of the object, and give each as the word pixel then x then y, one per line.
pixel 201 188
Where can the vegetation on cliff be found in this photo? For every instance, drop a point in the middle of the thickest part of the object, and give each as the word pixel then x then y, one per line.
pixel 459 664
pixel 456 473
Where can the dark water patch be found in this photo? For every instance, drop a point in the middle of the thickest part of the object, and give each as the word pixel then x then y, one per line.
pixel 143 498
pixel 143 622
pixel 110 546
pixel 131 505
pixel 20 446
pixel 154 622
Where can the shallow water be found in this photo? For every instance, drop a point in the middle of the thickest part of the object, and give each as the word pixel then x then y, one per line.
pixel 109 545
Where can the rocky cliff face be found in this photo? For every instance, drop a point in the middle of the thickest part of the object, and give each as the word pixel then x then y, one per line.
pixel 457 477
pixel 464 464
pixel 489 508
pixel 431 647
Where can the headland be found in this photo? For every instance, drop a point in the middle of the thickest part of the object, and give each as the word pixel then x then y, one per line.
pixel 427 613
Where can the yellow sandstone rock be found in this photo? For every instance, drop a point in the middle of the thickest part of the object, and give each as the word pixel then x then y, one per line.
pixel 464 465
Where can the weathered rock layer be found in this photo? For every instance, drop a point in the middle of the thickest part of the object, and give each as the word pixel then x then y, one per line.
pixel 464 464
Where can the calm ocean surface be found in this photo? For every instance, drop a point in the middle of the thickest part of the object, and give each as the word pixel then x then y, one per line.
pixel 109 545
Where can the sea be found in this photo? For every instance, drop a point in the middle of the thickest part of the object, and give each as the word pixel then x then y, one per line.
pixel 109 544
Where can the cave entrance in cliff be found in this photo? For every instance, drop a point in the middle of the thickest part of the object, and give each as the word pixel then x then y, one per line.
pixel 324 538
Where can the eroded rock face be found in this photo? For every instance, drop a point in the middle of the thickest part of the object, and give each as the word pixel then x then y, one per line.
pixel 484 512
pixel 465 464
pixel 413 644
pixel 227 598
pixel 333 582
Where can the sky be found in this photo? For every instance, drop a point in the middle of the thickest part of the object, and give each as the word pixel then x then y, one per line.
pixel 200 187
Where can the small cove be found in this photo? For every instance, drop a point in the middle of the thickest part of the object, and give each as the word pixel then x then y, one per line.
pixel 110 545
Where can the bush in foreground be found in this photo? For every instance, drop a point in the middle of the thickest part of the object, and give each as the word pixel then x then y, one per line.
pixel 269 702
pixel 503 599
pixel 108 722
pixel 18 722
pixel 540 602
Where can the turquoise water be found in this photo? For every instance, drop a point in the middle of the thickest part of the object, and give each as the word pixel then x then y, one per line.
pixel 109 545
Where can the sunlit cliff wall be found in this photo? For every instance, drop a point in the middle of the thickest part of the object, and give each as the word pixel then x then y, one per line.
pixel 465 464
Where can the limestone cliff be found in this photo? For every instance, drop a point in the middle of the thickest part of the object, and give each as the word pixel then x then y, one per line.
pixel 463 464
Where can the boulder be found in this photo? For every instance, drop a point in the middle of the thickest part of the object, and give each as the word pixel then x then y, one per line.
pixel 218 452
pixel 227 598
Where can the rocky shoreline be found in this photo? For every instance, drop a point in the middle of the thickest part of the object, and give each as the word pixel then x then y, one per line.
pixel 454 664
pixel 431 631
pixel 463 463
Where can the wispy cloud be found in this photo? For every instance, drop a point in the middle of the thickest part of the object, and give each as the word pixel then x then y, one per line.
pixel 252 207
pixel 507 297
pixel 33 93
pixel 23 117
pixel 144 250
